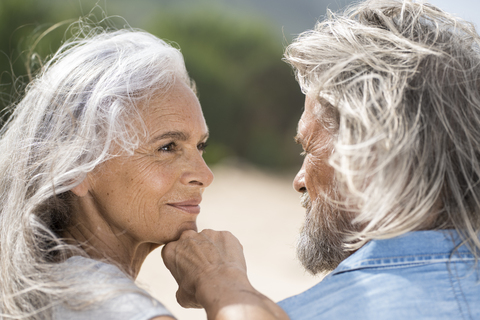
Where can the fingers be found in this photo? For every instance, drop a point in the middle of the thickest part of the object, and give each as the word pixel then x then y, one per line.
pixel 186 300
pixel 170 250
pixel 204 246
pixel 173 261
pixel 221 239
pixel 200 259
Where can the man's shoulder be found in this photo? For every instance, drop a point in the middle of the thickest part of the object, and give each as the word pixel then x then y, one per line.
pixel 373 285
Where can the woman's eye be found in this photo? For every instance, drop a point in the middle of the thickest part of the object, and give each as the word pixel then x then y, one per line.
pixel 168 147
pixel 202 146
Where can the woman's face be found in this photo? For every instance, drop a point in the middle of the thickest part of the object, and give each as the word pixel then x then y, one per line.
pixel 154 194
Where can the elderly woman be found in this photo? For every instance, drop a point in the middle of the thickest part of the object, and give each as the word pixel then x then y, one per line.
pixel 101 163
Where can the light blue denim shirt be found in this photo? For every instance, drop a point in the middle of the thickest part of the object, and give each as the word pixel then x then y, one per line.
pixel 414 276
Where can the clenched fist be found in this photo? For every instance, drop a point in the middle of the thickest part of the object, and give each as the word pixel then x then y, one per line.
pixel 211 272
pixel 198 259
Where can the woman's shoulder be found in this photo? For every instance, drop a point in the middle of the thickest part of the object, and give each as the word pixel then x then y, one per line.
pixel 91 268
pixel 116 294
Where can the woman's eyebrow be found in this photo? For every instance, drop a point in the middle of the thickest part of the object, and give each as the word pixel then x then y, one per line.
pixel 176 135
pixel 205 136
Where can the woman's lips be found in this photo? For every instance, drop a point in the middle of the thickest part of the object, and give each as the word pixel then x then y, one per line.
pixel 190 206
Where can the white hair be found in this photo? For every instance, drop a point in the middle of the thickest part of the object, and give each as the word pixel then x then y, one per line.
pixel 83 101
pixel 403 82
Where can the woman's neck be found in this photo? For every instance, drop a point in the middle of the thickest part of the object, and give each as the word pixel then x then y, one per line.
pixel 102 242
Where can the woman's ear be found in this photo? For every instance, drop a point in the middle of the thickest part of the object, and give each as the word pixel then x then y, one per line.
pixel 82 189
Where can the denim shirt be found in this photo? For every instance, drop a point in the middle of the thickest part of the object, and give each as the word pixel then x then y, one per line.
pixel 415 276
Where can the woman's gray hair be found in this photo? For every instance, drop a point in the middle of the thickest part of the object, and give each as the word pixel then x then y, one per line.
pixel 82 105
pixel 403 80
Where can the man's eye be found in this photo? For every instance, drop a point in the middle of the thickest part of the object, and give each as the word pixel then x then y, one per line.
pixel 168 147
pixel 202 146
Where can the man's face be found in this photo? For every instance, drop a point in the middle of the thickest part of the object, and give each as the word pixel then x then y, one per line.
pixel 321 244
pixel 316 175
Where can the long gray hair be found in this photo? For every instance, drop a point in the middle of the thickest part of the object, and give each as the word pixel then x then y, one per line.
pixel 82 102
pixel 403 82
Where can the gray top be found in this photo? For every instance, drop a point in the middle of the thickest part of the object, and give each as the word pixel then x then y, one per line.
pixel 130 303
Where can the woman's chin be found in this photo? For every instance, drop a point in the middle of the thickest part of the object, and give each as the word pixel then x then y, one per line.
pixel 191 225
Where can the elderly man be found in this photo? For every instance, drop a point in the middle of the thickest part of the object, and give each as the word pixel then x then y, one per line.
pixel 390 180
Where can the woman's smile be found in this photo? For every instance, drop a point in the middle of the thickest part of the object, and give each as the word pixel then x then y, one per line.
pixel 191 206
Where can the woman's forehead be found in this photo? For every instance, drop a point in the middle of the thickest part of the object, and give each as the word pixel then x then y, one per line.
pixel 178 111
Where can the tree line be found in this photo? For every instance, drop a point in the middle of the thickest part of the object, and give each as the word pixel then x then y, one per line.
pixel 250 98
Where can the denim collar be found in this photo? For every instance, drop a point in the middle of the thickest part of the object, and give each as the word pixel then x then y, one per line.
pixel 413 248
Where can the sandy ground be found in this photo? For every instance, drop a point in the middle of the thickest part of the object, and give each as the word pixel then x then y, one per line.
pixel 263 212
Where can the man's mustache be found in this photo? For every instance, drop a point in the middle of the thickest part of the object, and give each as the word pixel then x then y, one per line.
pixel 305 200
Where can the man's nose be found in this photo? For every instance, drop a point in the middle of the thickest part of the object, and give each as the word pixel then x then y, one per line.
pixel 299 181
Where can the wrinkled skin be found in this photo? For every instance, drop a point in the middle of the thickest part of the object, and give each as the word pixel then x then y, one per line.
pixel 210 270
pixel 133 203
pixel 206 253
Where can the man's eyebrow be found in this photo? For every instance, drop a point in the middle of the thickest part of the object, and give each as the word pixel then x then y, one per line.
pixel 298 139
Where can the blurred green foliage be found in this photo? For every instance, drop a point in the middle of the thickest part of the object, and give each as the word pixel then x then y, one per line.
pixel 249 96
pixel 22 23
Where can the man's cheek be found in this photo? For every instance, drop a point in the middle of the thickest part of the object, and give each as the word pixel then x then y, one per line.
pixel 312 183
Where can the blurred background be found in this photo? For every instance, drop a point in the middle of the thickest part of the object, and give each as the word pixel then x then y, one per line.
pixel 233 51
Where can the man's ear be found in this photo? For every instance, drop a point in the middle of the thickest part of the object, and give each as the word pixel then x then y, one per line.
pixel 82 189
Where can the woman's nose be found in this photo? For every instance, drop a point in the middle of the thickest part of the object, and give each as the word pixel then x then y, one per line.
pixel 199 173
pixel 299 181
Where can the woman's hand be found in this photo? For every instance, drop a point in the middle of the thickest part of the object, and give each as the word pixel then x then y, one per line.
pixel 210 270
pixel 197 257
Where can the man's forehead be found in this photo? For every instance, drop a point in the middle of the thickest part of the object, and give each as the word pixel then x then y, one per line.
pixel 310 103
pixel 315 104
pixel 319 110
pixel 306 127
pixel 311 126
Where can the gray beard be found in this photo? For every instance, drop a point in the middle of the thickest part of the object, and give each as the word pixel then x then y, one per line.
pixel 321 244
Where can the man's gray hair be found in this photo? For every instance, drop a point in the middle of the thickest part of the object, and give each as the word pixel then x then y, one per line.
pixel 82 105
pixel 403 81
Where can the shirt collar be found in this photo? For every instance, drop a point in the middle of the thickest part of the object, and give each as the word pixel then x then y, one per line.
pixel 417 247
